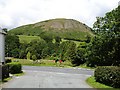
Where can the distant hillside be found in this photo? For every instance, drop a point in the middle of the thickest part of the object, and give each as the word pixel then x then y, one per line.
pixel 64 28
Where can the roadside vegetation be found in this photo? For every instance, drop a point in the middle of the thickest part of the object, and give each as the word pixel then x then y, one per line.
pixel 9 70
pixel 92 82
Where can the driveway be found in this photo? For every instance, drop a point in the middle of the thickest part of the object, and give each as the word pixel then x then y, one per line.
pixel 50 77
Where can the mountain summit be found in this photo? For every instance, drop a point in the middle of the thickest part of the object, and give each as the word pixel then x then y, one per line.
pixel 65 28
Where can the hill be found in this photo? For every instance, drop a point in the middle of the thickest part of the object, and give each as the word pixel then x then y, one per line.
pixel 64 28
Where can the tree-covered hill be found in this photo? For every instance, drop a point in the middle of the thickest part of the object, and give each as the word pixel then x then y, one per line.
pixel 64 28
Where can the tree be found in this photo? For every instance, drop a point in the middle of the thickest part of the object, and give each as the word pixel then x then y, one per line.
pixel 58 39
pixel 12 46
pixel 28 55
pixel 80 55
pixel 110 22
pixel 46 37
pixel 105 46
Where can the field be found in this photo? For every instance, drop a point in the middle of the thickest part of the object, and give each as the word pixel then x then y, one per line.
pixel 27 39
pixel 42 62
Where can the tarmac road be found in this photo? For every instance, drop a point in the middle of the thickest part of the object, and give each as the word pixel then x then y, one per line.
pixel 50 77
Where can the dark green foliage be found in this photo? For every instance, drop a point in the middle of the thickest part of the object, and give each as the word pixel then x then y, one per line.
pixel 67 50
pixel 58 39
pixel 88 38
pixel 47 37
pixel 12 46
pixel 104 49
pixel 15 68
pixel 36 48
pixel 109 75
pixel 80 57
pixel 23 50
pixel 34 57
pixel 71 52
pixel 4 72
pixel 110 22
pixel 8 60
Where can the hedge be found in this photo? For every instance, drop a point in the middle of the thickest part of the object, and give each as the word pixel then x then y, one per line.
pixel 108 75
pixel 15 68
pixel 8 60
pixel 4 72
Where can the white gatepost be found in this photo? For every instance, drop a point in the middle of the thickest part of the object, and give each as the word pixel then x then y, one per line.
pixel 2 46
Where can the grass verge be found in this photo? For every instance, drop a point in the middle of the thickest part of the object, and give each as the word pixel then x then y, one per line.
pixel 19 74
pixel 85 66
pixel 9 78
pixel 91 81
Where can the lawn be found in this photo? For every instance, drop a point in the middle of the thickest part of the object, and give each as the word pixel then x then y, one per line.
pixel 27 39
pixel 42 62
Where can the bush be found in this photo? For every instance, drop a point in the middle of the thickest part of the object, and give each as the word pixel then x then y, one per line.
pixel 4 72
pixel 8 60
pixel 108 75
pixel 15 68
pixel 34 57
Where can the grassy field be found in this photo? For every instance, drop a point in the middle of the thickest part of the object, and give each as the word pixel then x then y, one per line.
pixel 45 62
pixel 27 39
pixel 42 62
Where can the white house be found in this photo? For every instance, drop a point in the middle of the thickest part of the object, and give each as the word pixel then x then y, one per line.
pixel 2 46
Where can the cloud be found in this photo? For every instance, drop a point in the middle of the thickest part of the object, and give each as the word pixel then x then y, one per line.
pixel 14 13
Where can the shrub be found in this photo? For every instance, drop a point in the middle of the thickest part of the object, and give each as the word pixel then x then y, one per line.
pixel 8 60
pixel 109 75
pixel 34 57
pixel 4 72
pixel 15 68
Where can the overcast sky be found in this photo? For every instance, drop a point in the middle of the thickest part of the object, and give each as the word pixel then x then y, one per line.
pixel 14 13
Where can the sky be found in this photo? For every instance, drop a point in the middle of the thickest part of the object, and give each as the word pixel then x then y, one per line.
pixel 14 13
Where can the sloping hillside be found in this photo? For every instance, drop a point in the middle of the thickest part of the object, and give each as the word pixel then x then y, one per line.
pixel 64 28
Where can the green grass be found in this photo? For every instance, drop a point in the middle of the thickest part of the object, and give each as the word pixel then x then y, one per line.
pixel 76 42
pixel 46 62
pixel 5 80
pixel 91 81
pixel 42 62
pixel 19 74
pixel 27 39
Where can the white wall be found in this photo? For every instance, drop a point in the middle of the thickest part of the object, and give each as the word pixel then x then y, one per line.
pixel 2 47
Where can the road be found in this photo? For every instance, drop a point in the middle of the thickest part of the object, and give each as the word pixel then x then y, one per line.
pixel 50 77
